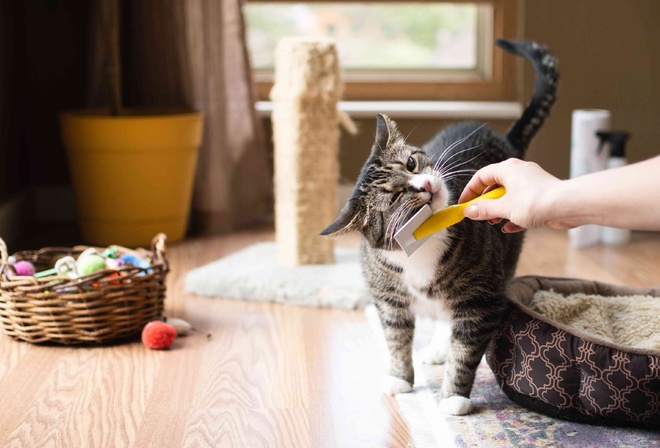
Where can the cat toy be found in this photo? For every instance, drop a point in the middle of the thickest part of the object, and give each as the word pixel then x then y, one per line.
pixel 424 223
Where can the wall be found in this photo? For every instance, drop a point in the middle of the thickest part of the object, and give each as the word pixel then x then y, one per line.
pixel 609 59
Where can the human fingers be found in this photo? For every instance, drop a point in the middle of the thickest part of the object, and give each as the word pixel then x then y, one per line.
pixel 488 176
pixel 510 227
pixel 487 209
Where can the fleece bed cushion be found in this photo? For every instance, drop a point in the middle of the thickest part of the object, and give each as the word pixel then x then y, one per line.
pixel 581 350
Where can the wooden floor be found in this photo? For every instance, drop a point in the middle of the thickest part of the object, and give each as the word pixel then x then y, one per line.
pixel 253 375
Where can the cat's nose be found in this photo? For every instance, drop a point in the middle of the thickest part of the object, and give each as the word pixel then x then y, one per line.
pixel 427 186
pixel 422 184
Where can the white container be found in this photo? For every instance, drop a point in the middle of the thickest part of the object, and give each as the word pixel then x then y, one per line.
pixel 612 235
pixel 585 159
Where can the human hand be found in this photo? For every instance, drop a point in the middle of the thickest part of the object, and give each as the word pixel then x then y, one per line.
pixel 526 203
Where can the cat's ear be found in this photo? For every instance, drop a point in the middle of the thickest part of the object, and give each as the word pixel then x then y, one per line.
pixel 347 221
pixel 386 130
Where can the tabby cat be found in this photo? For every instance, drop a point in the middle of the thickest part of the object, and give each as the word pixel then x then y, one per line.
pixel 459 275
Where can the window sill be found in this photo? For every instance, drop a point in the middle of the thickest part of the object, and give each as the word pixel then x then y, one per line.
pixel 477 110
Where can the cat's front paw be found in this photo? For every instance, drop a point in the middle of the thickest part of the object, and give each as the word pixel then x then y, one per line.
pixel 455 405
pixel 392 385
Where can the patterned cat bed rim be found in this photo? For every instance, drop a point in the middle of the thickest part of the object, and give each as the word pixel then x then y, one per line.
pixel 521 290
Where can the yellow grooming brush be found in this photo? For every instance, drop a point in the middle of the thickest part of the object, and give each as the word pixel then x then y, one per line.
pixel 425 223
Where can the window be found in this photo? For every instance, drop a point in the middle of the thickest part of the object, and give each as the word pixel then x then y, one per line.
pixel 396 50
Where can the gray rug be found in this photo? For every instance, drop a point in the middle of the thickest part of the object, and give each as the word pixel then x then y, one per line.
pixel 253 274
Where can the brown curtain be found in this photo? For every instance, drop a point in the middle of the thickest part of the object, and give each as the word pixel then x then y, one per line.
pixel 192 54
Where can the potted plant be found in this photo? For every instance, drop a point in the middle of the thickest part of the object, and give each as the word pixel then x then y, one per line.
pixel 132 170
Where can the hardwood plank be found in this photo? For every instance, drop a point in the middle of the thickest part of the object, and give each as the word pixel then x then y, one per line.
pixel 240 427
pixel 64 394
pixel 253 359
pixel 119 397
pixel 9 358
pixel 174 377
pixel 20 387
pixel 320 414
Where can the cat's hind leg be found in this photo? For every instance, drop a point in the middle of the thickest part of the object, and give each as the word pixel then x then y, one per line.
pixel 437 350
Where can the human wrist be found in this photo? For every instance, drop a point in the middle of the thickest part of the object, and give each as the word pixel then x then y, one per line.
pixel 574 204
pixel 558 206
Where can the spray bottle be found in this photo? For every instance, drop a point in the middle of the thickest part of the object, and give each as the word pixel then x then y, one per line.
pixel 617 141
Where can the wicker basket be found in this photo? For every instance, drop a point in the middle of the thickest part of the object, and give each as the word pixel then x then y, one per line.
pixel 97 308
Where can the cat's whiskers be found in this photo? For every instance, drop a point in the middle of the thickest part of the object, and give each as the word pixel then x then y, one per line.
pixel 399 220
pixel 452 146
pixel 410 133
pixel 399 215
pixel 456 165
pixel 458 173
pixel 389 230
pixel 458 142
pixel 447 165
pixel 459 170
pixel 441 163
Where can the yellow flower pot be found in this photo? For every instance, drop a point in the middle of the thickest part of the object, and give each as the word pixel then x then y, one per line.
pixel 132 174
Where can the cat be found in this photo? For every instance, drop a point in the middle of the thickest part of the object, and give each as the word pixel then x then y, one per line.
pixel 459 275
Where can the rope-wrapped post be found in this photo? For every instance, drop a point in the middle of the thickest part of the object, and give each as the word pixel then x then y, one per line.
pixel 306 90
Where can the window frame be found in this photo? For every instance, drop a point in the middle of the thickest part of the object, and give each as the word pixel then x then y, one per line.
pixel 494 79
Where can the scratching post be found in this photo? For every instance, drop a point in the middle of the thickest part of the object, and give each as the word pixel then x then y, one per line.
pixel 306 138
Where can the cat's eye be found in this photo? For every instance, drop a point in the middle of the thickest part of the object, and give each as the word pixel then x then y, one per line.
pixel 412 164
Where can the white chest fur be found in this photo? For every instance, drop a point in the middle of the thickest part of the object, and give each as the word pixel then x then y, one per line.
pixel 419 271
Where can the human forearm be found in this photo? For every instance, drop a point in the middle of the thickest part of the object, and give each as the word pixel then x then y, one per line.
pixel 626 197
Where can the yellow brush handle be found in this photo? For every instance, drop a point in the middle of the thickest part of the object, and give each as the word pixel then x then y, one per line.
pixel 451 215
pixel 492 194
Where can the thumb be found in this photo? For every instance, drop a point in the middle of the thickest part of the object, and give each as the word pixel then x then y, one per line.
pixel 484 210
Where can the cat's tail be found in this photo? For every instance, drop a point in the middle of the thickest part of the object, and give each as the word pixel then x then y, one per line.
pixel 545 91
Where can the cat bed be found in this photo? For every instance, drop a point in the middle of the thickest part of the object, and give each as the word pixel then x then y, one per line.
pixel 581 350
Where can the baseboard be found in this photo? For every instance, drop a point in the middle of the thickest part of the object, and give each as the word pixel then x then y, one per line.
pixel 13 216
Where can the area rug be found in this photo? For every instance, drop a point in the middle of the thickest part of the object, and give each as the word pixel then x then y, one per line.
pixel 496 421
pixel 254 274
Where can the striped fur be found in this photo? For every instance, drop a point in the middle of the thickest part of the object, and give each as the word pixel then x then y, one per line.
pixel 460 274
